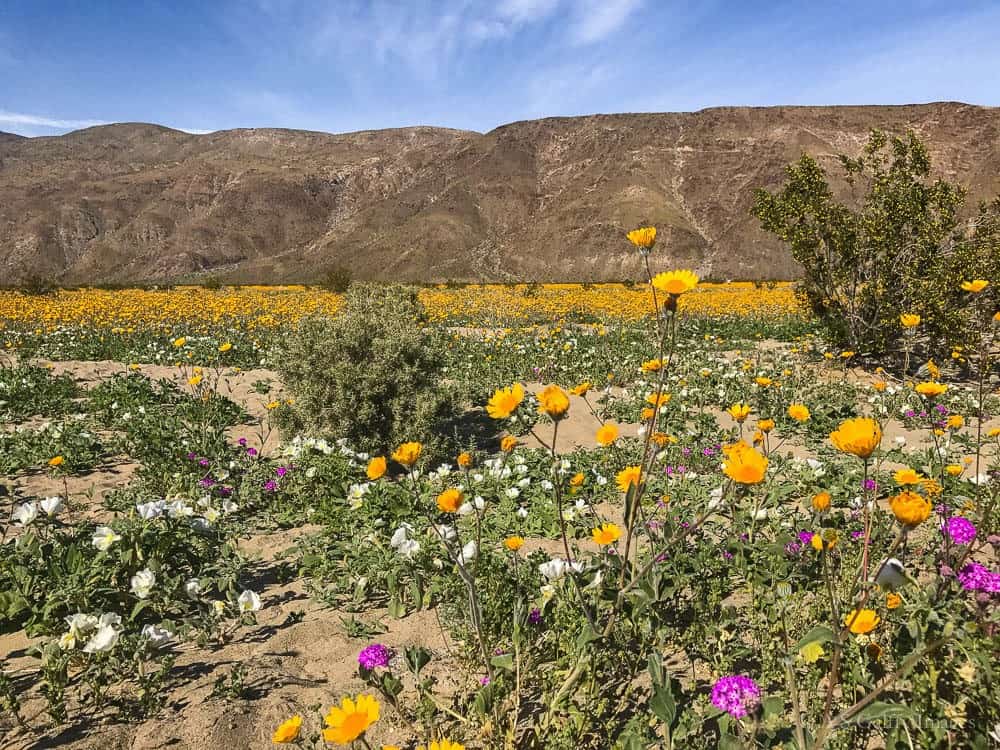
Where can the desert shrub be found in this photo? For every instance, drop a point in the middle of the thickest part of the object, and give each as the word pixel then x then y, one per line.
pixel 212 283
pixel 37 285
pixel 337 279
pixel 902 247
pixel 371 375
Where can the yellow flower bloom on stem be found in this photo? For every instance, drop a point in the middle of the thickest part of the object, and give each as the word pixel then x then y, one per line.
pixel 657 401
pixel 954 470
pixel 821 502
pixel 577 479
pixel 513 543
pixel 893 600
pixel 407 454
pixel 606 533
pixel 956 422
pixel 607 434
pixel 907 476
pixel 180 342
pixel 909 320
pixel 811 652
pixel 861 621
pixel 442 745
pixel 287 731
pixel 553 401
pixel 225 348
pixel 628 477
pixel 799 412
pixel 647 414
pixel 376 468
pixel 273 405
pixel 464 459
pixel 644 237
pixel 825 541
pixel 675 282
pixel 930 388
pixel 739 412
pixel 449 500
pixel 56 461
pixel 859 437
pixel 910 508
pixel 582 389
pixel 765 425
pixel 508 443
pixel 505 401
pixel 744 464
pixel 194 380
pixel 763 382
pixel 348 721
pixel 652 365
pixel 975 286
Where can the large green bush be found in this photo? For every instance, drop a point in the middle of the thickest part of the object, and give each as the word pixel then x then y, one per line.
pixel 899 243
pixel 372 374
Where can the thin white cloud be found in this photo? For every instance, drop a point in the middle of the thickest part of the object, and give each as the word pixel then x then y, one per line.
pixel 22 119
pixel 526 11
pixel 595 20
pixel 194 131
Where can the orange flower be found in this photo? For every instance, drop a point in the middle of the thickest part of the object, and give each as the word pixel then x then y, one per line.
pixel 825 541
pixel 821 502
pixel 629 477
pixel 652 365
pixel 744 464
pixel 910 508
pixel 605 534
pixel 909 320
pixel 287 731
pixel 464 459
pixel 376 468
pixel 975 286
pixel 449 500
pixel 893 600
pixel 763 382
pixel 348 721
pixel 577 479
pixel 930 389
pixel 513 543
pixel 553 401
pixel 56 461
pixel 407 454
pixel 508 443
pixel 607 434
pixel 906 476
pixel 505 401
pixel 859 437
pixel 657 401
pixel 580 390
pixel 862 621
pixel 956 422
pixel 765 425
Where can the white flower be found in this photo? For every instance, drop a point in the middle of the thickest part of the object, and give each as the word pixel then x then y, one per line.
pixel 547 591
pixel 179 509
pixel 547 485
pixel 228 506
pixel 51 505
pixel 760 514
pixel 512 492
pixel 556 568
pixel 408 548
pixel 596 582
pixel 24 515
pixel 157 635
pixel 465 509
pixel 104 537
pixel 67 641
pixel 445 532
pixel 477 478
pixel 900 440
pixel 522 512
pixel 212 515
pixel 602 480
pixel 310 472
pixel 143 582
pixel 81 625
pixel 478 502
pixel 468 554
pixel 106 635
pixel 400 535
pixel 152 509
pixel 193 589
pixel 248 601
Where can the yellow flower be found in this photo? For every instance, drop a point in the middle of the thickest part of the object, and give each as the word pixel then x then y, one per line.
pixel 893 600
pixel 930 388
pixel 975 286
pixel 859 437
pixel 644 237
pixel 879 385
pixel 956 422
pixel 56 461
pixel 862 621
pixel 821 502
pixel 449 500
pixel 675 282
pixel 629 477
pixel 376 468
pixel 825 541
pixel 652 365
pixel 505 401
pixel 657 401
pixel 225 348
pixel 513 543
pixel 909 320
pixel 765 425
pixel 287 731
pixel 180 342
pixel 763 382
pixel 907 476
pixel 194 380
pixel 581 390
pixel 553 401
pixel 464 459
pixel 407 454
pixel 273 405
pixel 811 652
pixel 953 470
pixel 739 412
pixel 799 412
pixel 348 721
pixel 442 745
pixel 607 434
pixel 910 508
pixel 744 464
pixel 605 534
pixel 577 479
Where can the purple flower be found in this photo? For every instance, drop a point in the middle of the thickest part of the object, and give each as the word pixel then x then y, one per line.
pixel 207 482
pixel 225 491
pixel 708 452
pixel 281 471
pixel 484 681
pixel 737 695
pixel 805 537
pixel 961 530
pixel 203 462
pixel 535 616
pixel 869 485
pixel 793 548
pixel 270 485
pixel 857 534
pixel 685 451
pixel 192 456
pixel 727 555
pixel 975 577
pixel 242 442
pixel 909 414
pixel 942 409
pixel 251 452
pixel 375 655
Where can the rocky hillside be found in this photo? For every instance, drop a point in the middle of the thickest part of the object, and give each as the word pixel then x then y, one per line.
pixel 544 199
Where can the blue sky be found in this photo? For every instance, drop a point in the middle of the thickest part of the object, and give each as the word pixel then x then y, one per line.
pixel 345 65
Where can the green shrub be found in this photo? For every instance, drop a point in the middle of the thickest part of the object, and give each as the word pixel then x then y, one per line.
pixel 371 375
pixel 337 279
pixel 903 246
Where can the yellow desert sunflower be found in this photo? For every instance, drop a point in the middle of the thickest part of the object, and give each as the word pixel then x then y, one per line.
pixel 407 454
pixel 348 721
pixel 505 401
pixel 675 282
pixel 553 401
pixel 643 237
pixel 859 437
pixel 605 534
pixel 744 464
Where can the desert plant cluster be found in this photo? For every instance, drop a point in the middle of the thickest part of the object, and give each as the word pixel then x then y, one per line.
pixel 395 525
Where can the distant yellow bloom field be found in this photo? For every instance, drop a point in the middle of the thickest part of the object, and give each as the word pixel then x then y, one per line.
pixel 258 307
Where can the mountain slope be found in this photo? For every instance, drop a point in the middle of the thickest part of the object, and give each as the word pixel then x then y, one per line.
pixel 542 199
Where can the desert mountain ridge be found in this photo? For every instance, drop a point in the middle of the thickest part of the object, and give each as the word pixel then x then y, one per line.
pixel 545 199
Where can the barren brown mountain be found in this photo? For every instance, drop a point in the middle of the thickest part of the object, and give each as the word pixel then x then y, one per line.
pixel 537 200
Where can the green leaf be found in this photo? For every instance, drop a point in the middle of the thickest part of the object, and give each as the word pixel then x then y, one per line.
pixel 504 661
pixel 587 635
pixel 662 704
pixel 880 710
pixel 819 634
